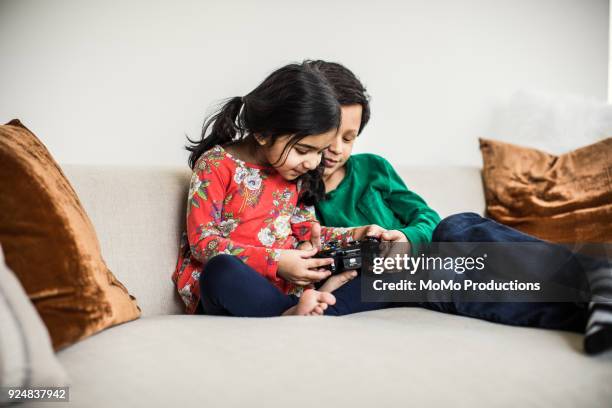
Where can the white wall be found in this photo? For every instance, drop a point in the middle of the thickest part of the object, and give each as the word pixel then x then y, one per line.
pixel 610 57
pixel 123 82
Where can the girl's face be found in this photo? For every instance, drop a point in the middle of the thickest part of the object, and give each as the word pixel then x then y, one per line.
pixel 341 145
pixel 305 155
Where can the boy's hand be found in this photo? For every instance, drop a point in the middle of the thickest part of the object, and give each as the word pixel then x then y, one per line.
pixel 368 231
pixel 334 282
pixel 390 250
pixel 393 236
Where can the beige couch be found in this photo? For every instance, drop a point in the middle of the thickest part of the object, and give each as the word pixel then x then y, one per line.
pixel 393 357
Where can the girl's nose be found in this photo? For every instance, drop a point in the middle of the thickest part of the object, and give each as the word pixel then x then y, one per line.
pixel 312 163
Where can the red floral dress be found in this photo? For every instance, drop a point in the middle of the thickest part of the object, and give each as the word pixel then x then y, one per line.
pixel 245 210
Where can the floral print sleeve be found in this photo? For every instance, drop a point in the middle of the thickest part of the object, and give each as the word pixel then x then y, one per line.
pixel 302 220
pixel 210 223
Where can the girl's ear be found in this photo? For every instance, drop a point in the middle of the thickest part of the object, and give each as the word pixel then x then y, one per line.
pixel 261 139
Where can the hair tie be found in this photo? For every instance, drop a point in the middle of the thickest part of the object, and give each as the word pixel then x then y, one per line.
pixel 242 105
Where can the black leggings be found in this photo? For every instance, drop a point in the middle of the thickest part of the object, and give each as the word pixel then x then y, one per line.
pixel 230 287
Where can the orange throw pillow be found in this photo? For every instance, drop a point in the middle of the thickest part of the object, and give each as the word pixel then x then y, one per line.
pixel 51 245
pixel 565 199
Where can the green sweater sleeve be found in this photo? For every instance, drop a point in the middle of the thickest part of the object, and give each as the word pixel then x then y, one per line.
pixel 418 218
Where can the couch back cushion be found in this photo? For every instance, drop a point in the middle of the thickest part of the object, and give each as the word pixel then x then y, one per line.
pixel 139 214
pixel 565 198
pixel 447 189
pixel 51 245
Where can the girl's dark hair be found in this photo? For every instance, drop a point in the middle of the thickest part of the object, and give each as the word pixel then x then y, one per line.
pixel 296 100
pixel 348 88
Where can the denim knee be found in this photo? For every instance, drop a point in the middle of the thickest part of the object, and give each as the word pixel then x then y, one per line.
pixel 218 272
pixel 448 228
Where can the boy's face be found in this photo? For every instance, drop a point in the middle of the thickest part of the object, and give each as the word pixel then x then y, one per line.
pixel 341 147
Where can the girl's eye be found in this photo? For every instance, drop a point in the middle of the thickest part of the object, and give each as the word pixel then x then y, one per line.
pixel 300 151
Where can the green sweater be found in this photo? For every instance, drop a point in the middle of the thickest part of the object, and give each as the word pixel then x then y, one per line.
pixel 373 193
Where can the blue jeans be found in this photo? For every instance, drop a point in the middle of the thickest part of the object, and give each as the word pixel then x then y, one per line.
pixel 570 316
pixel 230 287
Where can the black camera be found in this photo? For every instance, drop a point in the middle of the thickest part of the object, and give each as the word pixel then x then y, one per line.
pixel 348 256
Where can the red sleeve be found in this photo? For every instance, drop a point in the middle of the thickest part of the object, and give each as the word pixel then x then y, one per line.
pixel 302 220
pixel 209 182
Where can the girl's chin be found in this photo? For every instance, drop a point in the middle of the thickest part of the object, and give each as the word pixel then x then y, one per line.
pixel 290 175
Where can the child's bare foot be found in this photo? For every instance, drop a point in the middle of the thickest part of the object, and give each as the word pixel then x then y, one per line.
pixel 335 281
pixel 312 303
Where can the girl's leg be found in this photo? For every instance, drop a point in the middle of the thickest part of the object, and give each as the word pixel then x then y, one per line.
pixel 230 287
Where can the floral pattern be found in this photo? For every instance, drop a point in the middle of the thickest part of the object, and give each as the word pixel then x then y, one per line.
pixel 197 191
pixel 226 227
pixel 250 184
pixel 243 210
pixel 278 221
pixel 266 237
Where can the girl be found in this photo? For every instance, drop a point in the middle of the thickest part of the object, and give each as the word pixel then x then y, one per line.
pixel 261 156
pixel 353 179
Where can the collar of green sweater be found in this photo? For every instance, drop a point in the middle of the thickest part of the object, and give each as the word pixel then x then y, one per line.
pixel 343 183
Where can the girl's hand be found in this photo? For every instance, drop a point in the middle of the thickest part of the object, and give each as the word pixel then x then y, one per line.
pixel 315 238
pixel 306 246
pixel 298 266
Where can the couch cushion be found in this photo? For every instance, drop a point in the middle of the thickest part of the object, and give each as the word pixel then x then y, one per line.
pixel 398 357
pixel 51 245
pixel 447 189
pixel 566 198
pixel 139 213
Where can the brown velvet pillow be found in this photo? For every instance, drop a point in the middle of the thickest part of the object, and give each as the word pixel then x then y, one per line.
pixel 51 245
pixel 566 198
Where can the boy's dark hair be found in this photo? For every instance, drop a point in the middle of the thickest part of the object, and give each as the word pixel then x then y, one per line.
pixel 348 88
pixel 296 99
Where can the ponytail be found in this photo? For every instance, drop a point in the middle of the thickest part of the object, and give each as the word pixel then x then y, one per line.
pixel 225 126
